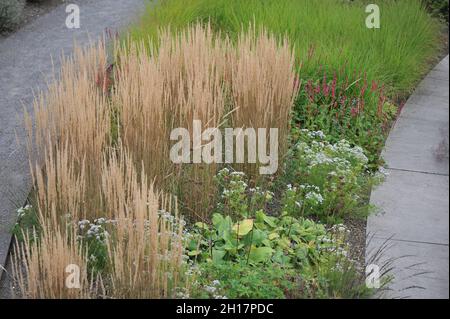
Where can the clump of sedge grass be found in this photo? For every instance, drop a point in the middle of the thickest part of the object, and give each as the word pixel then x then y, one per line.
pixel 326 33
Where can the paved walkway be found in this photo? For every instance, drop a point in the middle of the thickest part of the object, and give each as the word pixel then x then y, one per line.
pixel 414 221
pixel 24 65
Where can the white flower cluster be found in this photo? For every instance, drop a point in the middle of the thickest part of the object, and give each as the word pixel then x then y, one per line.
pixel 355 153
pixel 259 193
pixel 314 198
pixel 166 215
pixel 316 151
pixel 236 187
pixel 339 228
pixel 182 293
pixel 313 134
pixel 95 229
pixel 213 290
pixel 312 194
pixel 23 211
pixel 305 194
pixel 333 244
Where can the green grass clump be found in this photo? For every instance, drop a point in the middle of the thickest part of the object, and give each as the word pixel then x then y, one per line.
pixel 330 34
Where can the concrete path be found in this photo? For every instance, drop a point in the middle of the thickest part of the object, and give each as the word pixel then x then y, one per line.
pixel 414 200
pixel 25 63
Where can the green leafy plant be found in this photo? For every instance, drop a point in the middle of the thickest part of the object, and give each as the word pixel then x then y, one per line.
pixel 330 180
pixel 236 197
pixel 264 239
pixel 94 236
pixel 292 259
pixel 239 280
pixel 27 221
pixel 439 8
pixel 357 111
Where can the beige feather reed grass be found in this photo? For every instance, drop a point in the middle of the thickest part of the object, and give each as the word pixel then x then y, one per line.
pixel 99 147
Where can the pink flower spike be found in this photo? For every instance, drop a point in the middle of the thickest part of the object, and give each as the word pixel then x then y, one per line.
pixel 374 86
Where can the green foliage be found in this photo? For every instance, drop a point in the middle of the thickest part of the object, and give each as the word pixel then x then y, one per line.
pixel 291 259
pixel 327 180
pixel 27 222
pixel 356 111
pixel 94 237
pixel 239 280
pixel 325 33
pixel 439 8
pixel 333 276
pixel 10 14
pixel 284 240
pixel 237 198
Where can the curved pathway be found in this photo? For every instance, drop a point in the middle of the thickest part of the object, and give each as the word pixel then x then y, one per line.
pixel 414 199
pixel 25 63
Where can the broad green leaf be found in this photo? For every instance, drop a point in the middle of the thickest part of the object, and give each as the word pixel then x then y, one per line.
pixel 257 237
pixel 260 254
pixel 259 216
pixel 244 227
pixel 222 224
pixel 217 256
pixel 193 244
pixel 272 236
pixel 201 225
pixel 194 253
pixel 271 221
pixel 267 243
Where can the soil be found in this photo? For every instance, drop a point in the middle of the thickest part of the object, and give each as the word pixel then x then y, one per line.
pixel 444 39
pixel 357 240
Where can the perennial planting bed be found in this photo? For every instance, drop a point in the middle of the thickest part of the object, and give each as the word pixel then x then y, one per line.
pixel 109 202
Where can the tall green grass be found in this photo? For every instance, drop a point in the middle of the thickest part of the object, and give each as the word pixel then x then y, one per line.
pixel 327 34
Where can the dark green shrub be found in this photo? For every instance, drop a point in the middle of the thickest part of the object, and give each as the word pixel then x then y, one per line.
pixel 10 14
pixel 439 8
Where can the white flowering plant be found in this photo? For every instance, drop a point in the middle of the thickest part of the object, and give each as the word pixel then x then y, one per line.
pixel 331 180
pixel 27 221
pixel 94 236
pixel 236 197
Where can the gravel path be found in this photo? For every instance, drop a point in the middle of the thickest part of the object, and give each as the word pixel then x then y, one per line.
pixel 25 63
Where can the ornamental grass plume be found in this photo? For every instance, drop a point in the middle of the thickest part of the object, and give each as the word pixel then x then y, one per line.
pixel 41 265
pixel 144 245
pixel 158 91
pixel 263 85
pixel 145 251
pixel 150 90
pixel 195 75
